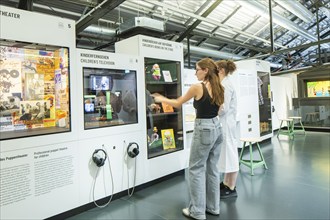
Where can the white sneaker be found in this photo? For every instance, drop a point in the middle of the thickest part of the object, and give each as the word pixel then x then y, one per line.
pixel 186 213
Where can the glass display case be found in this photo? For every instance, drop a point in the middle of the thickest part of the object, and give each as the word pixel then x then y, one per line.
pixel 110 97
pixel 164 123
pixel 313 104
pixel 264 101
pixel 34 91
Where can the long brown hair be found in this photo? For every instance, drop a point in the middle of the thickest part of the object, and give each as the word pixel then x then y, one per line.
pixel 213 78
pixel 228 65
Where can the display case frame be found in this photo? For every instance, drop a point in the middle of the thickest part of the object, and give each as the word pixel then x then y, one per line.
pixel 164 130
pixel 39 160
pixel 35 92
pixel 111 63
pixel 150 47
pixel 254 98
pixel 56 32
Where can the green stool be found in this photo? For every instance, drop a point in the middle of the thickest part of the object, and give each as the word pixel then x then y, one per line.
pixel 288 132
pixel 298 118
pixel 251 162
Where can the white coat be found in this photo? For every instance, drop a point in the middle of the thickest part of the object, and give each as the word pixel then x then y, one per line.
pixel 228 161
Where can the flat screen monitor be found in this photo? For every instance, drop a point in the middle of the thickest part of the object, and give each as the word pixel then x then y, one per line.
pixel 89 107
pixel 100 82
pixel 318 88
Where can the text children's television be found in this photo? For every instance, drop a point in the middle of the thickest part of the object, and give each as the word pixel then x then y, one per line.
pixel 110 97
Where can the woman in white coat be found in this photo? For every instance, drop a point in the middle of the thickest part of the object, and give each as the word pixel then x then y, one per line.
pixel 228 163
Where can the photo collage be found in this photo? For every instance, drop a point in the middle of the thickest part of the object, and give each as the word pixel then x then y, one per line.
pixel 34 88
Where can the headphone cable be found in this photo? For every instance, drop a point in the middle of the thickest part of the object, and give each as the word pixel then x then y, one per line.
pixel 130 194
pixel 134 181
pixel 94 183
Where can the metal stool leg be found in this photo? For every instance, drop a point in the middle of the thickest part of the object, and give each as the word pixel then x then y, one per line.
pixel 279 131
pixel 241 155
pixel 290 128
pixel 302 126
pixel 251 158
pixel 262 156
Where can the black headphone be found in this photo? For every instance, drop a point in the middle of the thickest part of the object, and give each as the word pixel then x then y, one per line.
pixel 134 151
pixel 97 159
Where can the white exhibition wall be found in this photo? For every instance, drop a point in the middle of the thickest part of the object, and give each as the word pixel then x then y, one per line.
pixel 284 88
pixel 46 175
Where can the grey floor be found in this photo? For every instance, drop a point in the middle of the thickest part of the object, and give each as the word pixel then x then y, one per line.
pixel 295 186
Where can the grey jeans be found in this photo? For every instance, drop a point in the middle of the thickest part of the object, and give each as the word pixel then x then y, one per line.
pixel 203 172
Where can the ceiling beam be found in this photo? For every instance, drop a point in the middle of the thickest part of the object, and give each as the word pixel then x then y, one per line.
pixel 325 41
pixel 25 5
pixel 197 22
pixel 96 13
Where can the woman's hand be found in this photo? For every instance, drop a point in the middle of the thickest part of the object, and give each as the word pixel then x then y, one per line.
pixel 158 97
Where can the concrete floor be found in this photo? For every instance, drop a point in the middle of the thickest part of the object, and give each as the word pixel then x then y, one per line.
pixel 295 186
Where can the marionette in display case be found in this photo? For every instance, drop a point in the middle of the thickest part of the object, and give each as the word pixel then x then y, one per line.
pixel 155 135
pixel 156 72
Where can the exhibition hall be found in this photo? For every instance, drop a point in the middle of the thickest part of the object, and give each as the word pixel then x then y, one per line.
pixel 98 117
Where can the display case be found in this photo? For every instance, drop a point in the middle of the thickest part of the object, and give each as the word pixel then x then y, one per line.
pixel 164 123
pixel 34 94
pixel 110 87
pixel 254 98
pixel 110 97
pixel 264 103
pixel 313 98
pixel 163 67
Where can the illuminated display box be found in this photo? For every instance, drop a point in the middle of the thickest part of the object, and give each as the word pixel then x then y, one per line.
pixel 34 92
pixel 110 97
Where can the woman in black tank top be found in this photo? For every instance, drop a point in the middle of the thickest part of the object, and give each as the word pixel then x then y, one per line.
pixel 205 148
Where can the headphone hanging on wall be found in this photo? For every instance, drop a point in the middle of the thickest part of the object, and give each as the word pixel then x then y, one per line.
pixel 98 159
pixel 133 149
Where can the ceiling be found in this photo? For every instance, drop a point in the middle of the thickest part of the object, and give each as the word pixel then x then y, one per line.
pixel 220 29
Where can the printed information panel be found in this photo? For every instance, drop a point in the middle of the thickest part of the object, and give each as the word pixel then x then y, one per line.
pixel 38 178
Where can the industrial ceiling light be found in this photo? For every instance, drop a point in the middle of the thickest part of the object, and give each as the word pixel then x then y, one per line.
pixel 297 9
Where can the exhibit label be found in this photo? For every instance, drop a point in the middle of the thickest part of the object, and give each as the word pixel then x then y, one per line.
pixel 10 14
pixel 95 59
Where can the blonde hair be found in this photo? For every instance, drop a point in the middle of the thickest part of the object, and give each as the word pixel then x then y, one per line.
pixel 228 65
pixel 213 78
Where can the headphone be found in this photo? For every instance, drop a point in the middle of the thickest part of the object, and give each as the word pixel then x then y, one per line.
pixel 97 159
pixel 134 151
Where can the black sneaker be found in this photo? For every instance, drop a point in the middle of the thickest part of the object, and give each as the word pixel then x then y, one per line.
pixel 227 193
pixel 222 185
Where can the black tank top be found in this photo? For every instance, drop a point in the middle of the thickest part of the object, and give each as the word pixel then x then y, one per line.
pixel 203 106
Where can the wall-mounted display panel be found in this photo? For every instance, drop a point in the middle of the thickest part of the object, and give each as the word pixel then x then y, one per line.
pixel 164 123
pixel 108 92
pixel 317 88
